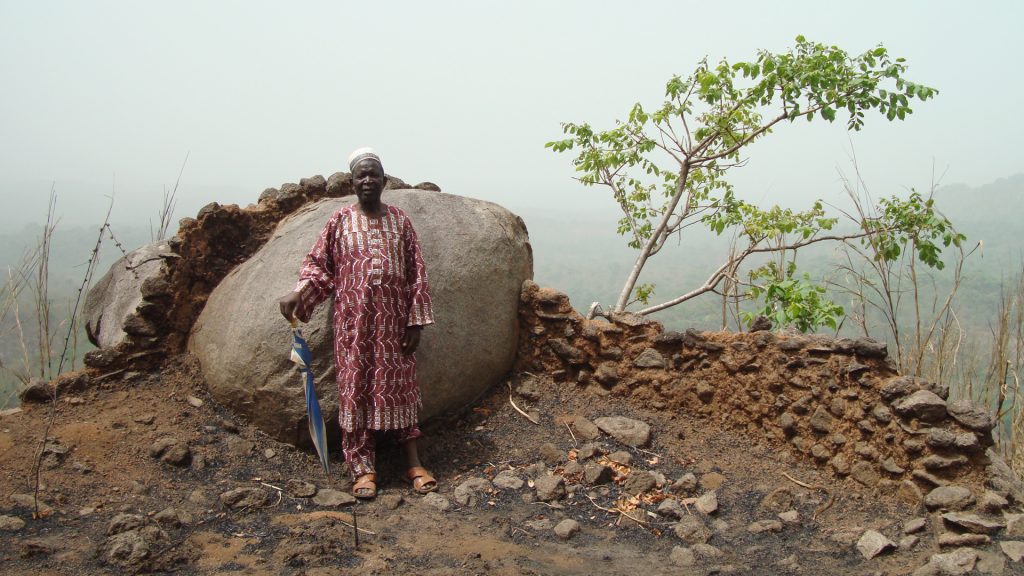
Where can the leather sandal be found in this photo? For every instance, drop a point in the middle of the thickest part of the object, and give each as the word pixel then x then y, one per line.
pixel 365 486
pixel 421 480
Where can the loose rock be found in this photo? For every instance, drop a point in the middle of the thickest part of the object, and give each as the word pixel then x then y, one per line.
pixel 550 488
pixel 10 523
pixel 873 543
pixel 330 498
pixel 626 430
pixel 567 528
pixel 953 498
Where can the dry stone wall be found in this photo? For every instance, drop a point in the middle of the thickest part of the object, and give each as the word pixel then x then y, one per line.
pixel 836 402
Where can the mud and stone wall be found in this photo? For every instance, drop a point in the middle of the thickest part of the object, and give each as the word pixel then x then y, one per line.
pixel 202 252
pixel 837 402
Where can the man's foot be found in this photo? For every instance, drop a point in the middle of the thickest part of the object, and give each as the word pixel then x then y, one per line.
pixel 365 486
pixel 421 480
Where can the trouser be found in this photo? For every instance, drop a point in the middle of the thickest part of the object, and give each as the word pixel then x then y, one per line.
pixel 359 447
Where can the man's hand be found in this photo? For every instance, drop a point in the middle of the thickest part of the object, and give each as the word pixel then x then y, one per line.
pixel 288 305
pixel 411 339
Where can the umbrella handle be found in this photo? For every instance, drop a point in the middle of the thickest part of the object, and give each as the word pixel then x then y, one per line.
pixel 293 322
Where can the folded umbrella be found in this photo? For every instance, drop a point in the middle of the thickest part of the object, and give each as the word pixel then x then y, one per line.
pixel 303 361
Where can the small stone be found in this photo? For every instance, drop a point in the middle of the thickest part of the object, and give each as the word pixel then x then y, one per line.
pixel 300 489
pixel 550 453
pixel 638 482
pixel 550 488
pixel 873 543
pixel 923 405
pixel 1015 525
pixel 707 504
pixel 908 542
pixel 594 474
pixel 194 402
pixel 685 484
pixel 626 430
pixel 864 473
pixel 706 551
pixel 909 492
pixel 936 462
pixel 10 523
pixel 239 446
pixel 973 523
pixel 914 525
pixel 841 465
pixel 331 498
pixel 670 508
pixel 465 493
pixel 1013 549
pixel 567 528
pixel 940 438
pixel 199 498
pixel 621 457
pixel 821 421
pixel 650 358
pixel 239 498
pixel 691 530
pixel 585 429
pixel 269 454
pixel 145 419
pixel 762 526
pixel 992 502
pixel 589 450
pixel 990 563
pixel 507 480
pixel 953 498
pixel 953 540
pixel 435 500
pixel 168 516
pixel 955 563
pixel 124 523
pixel 789 517
pixel 682 557
pixel 971 416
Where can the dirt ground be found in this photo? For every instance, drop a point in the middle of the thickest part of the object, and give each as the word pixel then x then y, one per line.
pixel 107 470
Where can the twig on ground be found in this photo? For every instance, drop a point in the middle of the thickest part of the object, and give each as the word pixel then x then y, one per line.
pixel 620 512
pixel 512 402
pixel 797 482
pixel 571 434
pixel 828 501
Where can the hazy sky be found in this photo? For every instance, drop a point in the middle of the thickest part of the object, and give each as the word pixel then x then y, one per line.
pixel 112 95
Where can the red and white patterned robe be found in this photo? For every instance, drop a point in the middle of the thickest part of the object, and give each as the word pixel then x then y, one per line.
pixel 373 268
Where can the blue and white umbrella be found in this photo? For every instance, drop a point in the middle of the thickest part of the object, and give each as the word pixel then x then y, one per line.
pixel 303 361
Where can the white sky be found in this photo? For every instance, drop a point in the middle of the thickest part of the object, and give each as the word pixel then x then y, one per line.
pixel 97 96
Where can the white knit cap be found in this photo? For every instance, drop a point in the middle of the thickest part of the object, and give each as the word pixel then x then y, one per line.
pixel 363 154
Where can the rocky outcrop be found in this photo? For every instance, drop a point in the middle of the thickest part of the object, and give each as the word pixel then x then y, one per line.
pixel 142 310
pixel 477 256
pixel 112 308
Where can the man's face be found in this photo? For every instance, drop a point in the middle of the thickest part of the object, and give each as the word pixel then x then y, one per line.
pixel 368 178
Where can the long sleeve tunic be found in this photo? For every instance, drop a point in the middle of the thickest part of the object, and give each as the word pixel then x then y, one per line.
pixel 373 268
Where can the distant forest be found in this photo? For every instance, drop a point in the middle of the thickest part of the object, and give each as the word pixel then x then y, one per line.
pixel 581 255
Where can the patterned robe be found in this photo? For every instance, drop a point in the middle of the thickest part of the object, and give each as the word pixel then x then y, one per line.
pixel 373 268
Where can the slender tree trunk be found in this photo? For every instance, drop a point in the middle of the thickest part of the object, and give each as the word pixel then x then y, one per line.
pixel 652 242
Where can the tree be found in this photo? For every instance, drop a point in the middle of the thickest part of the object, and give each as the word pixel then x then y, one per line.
pixel 667 168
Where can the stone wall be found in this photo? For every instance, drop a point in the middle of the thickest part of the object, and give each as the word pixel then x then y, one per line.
pixel 836 402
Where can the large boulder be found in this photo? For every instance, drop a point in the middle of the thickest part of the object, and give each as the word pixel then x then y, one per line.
pixel 110 306
pixel 477 256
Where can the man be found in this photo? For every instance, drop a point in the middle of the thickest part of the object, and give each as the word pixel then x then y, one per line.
pixel 368 258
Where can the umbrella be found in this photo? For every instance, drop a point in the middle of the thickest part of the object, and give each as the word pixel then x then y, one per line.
pixel 303 361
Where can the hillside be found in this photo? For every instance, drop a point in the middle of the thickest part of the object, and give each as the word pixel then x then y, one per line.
pixel 144 473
